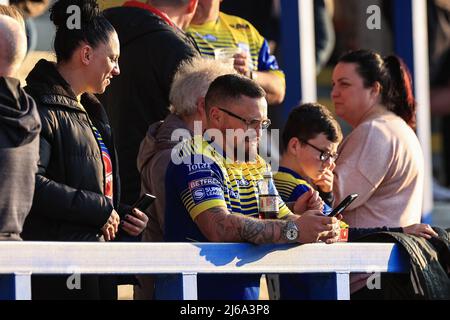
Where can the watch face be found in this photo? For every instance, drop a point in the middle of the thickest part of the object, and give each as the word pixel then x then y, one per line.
pixel 291 234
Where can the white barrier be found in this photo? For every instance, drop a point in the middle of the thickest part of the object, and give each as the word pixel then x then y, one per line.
pixel 18 260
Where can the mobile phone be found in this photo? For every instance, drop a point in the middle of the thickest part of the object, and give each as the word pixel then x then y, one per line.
pixel 144 202
pixel 344 204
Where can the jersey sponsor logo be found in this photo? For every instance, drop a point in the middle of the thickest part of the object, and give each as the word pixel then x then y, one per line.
pixel 243 182
pixel 233 194
pixel 203 182
pixel 206 193
pixel 209 38
pixel 206 37
pixel 198 194
pixel 213 191
pixel 198 167
pixel 239 26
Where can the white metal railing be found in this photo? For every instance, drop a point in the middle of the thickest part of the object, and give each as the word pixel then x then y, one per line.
pixel 18 260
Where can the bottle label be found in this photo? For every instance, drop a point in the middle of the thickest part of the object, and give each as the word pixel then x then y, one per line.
pixel 268 206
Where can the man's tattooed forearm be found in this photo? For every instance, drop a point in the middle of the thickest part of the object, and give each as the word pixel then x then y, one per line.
pixel 258 231
pixel 252 228
pixel 218 225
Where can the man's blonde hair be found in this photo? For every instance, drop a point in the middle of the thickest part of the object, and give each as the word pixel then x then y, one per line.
pixel 191 82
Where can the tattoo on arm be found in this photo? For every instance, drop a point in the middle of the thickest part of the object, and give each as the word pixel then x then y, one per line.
pixel 218 225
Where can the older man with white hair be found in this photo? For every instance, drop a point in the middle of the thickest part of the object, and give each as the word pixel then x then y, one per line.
pixel 19 131
pixel 187 93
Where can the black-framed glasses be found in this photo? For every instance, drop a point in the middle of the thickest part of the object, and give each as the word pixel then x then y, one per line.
pixel 263 124
pixel 324 155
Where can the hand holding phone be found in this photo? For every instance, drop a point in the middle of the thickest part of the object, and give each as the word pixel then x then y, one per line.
pixel 135 223
pixel 343 205
pixel 144 202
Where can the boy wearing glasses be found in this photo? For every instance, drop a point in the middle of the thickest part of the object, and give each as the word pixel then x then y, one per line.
pixel 310 140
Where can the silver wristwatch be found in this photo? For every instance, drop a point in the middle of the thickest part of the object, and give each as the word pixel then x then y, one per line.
pixel 290 231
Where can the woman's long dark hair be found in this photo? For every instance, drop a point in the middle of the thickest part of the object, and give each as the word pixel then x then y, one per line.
pixel 93 29
pixel 394 78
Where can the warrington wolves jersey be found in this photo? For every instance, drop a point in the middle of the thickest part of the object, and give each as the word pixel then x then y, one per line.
pixel 291 185
pixel 206 180
pixel 231 31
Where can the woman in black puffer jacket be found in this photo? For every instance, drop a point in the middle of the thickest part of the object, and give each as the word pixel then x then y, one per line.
pixel 76 196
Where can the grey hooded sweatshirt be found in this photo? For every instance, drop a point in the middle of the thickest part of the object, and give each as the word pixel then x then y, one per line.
pixel 153 158
pixel 19 154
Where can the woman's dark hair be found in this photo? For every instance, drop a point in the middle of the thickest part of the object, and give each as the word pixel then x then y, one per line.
pixel 307 121
pixel 92 29
pixel 394 78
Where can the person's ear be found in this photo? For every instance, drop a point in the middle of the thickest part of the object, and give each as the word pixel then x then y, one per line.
pixel 215 116
pixel 376 89
pixel 293 146
pixel 86 54
pixel 201 107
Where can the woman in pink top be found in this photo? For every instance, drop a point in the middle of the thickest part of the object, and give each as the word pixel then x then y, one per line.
pixel 381 159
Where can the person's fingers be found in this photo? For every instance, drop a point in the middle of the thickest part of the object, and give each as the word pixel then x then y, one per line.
pixel 324 228
pixel 135 221
pixel 140 215
pixel 240 61
pixel 107 234
pixel 241 70
pixel 241 55
pixel 301 204
pixel 307 195
pixel 115 226
pixel 112 232
pixel 329 220
pixel 316 204
pixel 332 240
pixel 431 232
pixel 316 212
pixel 130 228
pixel 316 195
pixel 329 234
pixel 331 237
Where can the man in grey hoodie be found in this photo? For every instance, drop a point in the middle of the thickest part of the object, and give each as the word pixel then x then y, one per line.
pixel 19 133
pixel 189 87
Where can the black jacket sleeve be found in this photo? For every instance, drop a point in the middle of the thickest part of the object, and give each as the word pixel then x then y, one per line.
pixel 61 202
pixel 356 233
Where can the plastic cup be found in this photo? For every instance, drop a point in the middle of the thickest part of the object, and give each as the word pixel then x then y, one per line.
pixel 226 55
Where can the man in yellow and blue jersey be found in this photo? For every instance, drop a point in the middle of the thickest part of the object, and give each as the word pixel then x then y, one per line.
pixel 211 192
pixel 213 29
